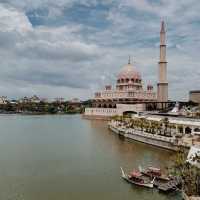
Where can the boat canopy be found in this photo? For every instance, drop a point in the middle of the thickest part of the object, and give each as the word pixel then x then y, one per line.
pixel 135 174
pixel 154 169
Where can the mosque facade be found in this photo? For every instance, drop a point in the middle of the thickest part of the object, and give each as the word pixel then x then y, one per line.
pixel 129 93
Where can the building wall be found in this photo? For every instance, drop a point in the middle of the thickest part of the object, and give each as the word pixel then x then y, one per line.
pixel 194 96
pixel 119 110
pixel 140 95
pixel 106 112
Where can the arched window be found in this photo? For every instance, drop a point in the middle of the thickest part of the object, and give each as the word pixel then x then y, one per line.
pixel 122 80
pixel 127 80
pixel 132 80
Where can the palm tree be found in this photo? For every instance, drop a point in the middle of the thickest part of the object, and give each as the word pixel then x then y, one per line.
pixel 188 173
pixel 159 128
pixel 142 124
pixel 180 129
pixel 154 127
pixel 165 121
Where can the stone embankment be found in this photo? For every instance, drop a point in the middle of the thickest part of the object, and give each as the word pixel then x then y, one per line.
pixel 169 143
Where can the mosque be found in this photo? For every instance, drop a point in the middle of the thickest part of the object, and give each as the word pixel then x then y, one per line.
pixel 129 93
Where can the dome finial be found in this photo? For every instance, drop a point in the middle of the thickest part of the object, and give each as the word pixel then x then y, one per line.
pixel 129 60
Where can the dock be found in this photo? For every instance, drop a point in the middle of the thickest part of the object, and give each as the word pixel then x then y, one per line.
pixel 169 186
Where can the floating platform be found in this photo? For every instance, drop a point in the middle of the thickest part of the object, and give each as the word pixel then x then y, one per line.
pixel 170 186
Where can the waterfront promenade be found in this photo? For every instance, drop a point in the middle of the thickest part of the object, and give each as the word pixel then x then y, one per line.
pixel 169 143
pixel 168 133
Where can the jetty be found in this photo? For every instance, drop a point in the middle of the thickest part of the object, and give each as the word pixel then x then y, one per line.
pixel 170 186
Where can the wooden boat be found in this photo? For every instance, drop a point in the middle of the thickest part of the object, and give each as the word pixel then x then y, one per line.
pixel 136 178
pixel 154 173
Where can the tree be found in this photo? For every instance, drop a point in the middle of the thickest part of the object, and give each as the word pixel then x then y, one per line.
pixel 165 122
pixel 188 173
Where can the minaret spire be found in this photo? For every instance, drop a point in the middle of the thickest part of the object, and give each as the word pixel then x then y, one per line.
pixel 162 92
pixel 162 27
pixel 129 59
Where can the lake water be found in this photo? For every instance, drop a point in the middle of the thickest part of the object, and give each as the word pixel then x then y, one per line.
pixel 68 158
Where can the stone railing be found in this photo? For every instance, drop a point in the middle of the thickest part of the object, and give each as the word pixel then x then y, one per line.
pixel 100 111
pixel 132 131
pixel 149 135
pixel 126 94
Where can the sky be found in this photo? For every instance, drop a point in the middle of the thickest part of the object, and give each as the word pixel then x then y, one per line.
pixel 71 48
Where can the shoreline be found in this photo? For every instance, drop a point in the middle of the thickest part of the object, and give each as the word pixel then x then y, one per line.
pixel 146 138
pixel 29 114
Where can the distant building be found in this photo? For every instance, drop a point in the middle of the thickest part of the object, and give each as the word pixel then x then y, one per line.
pixel 44 100
pixel 3 100
pixel 75 100
pixel 194 155
pixel 13 101
pixel 59 100
pixel 35 99
pixel 24 100
pixel 194 96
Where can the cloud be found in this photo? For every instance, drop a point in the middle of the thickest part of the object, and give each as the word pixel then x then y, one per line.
pixel 66 48
pixel 12 20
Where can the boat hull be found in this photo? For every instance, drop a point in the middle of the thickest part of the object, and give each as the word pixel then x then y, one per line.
pixel 125 177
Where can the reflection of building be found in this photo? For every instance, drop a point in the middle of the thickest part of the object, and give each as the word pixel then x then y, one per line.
pixel 129 93
pixel 194 96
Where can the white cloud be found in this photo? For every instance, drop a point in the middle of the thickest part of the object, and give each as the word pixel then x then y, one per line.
pixel 73 56
pixel 13 20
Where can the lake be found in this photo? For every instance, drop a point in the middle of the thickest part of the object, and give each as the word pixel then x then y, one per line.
pixel 64 157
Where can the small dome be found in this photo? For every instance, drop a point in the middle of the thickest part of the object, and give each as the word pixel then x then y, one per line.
pixel 129 72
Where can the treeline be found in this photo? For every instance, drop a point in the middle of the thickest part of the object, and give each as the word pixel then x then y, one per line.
pixel 43 108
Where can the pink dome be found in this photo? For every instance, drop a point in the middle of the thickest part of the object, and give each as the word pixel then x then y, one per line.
pixel 129 72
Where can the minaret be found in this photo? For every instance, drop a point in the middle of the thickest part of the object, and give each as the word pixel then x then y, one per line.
pixel 129 60
pixel 162 93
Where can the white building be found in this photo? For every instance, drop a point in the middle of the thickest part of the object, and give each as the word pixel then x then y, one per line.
pixel 3 100
pixel 193 154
